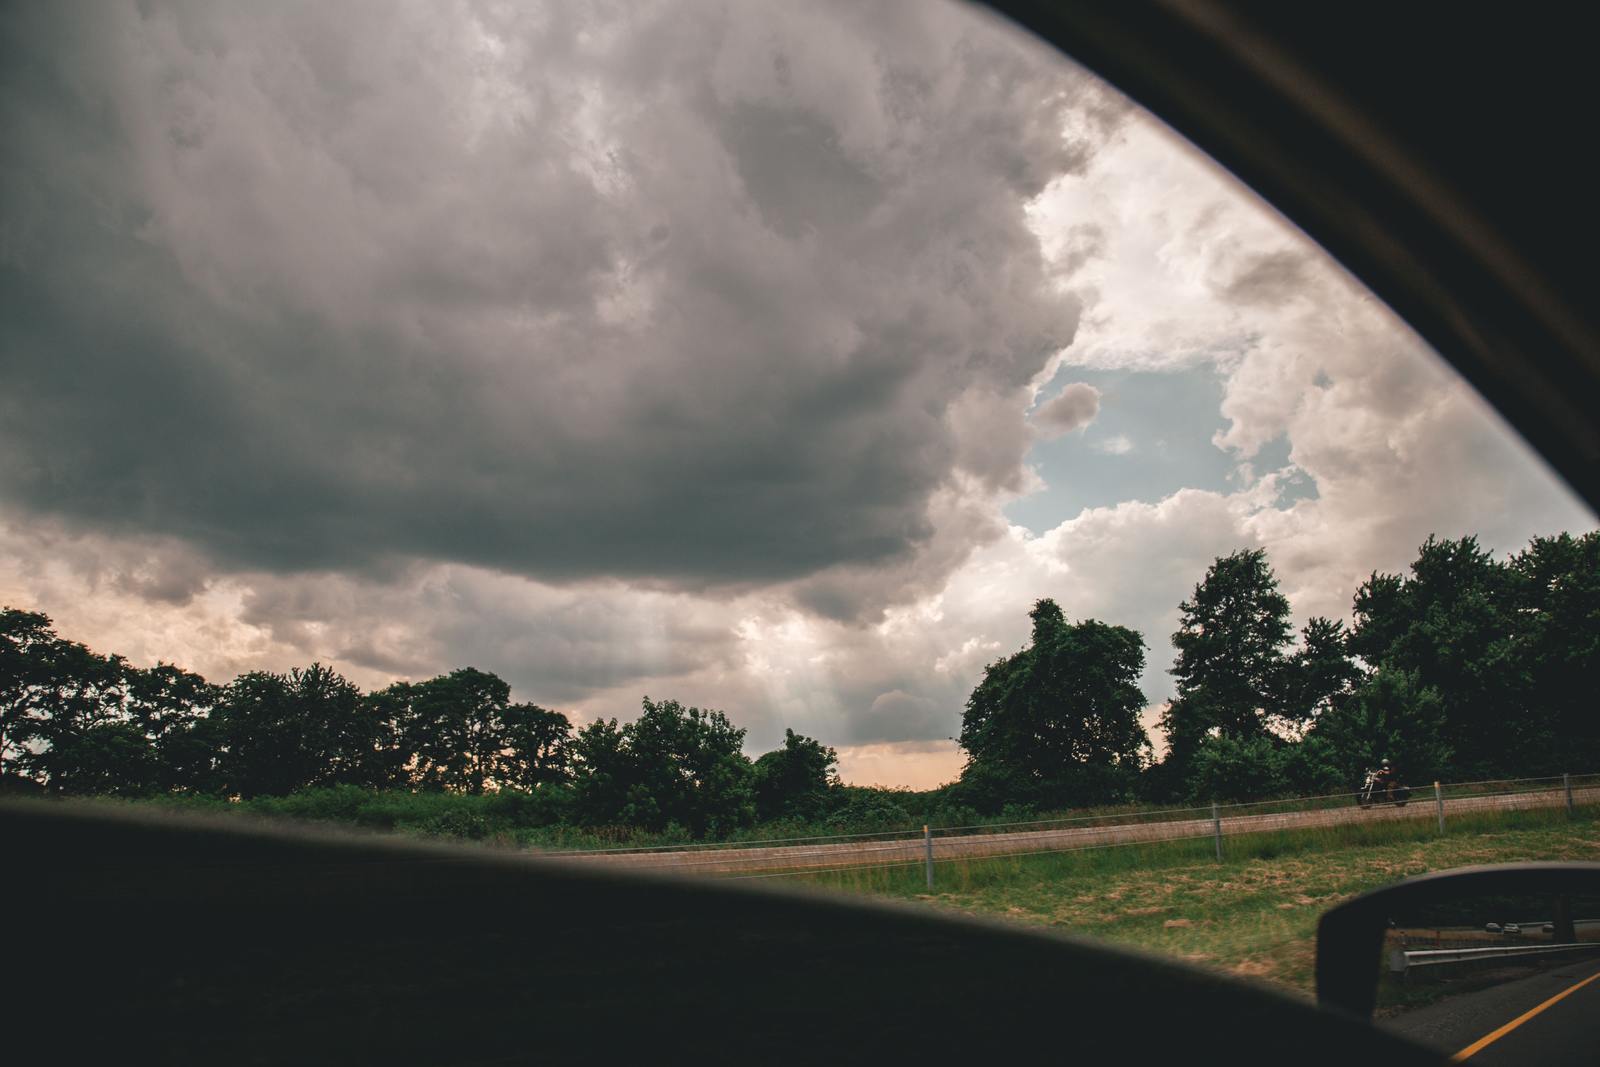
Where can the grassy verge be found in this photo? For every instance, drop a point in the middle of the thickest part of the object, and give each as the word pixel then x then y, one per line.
pixel 536 820
pixel 1254 915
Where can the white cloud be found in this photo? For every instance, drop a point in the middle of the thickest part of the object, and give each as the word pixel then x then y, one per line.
pixel 1115 445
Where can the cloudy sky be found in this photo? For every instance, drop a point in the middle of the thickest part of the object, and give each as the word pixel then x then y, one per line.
pixel 770 356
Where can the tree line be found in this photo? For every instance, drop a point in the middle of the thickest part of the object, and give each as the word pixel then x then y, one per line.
pixel 1463 667
pixel 73 722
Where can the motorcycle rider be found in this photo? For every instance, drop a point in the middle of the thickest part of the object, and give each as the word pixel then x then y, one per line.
pixel 1383 779
pixel 1382 786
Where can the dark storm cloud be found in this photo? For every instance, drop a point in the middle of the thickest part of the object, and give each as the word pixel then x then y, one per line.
pixel 551 645
pixel 898 715
pixel 692 297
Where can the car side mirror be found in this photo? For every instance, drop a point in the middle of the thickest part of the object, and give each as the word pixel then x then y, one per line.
pixel 1411 942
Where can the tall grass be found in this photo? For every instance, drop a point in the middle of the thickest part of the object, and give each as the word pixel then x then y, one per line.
pixel 1254 914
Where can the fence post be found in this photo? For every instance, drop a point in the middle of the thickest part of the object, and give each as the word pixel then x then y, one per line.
pixel 1566 783
pixel 1216 828
pixel 927 844
pixel 1438 799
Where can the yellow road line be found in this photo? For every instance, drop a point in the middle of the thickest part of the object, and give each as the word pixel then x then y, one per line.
pixel 1489 1039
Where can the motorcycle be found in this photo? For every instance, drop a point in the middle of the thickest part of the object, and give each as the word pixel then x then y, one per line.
pixel 1377 789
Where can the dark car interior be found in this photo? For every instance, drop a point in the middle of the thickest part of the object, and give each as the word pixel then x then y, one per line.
pixel 1437 151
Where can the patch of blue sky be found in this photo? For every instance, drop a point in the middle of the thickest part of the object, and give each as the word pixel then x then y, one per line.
pixel 1152 437
pixel 1296 485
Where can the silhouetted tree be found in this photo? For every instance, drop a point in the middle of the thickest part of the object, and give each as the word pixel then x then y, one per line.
pixel 48 687
pixel 793 782
pixel 456 728
pixel 537 747
pixel 1232 675
pixel 171 707
pixel 63 712
pixel 277 733
pixel 1058 722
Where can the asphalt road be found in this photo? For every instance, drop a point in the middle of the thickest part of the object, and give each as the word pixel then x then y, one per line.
pixel 743 859
pixel 1566 1032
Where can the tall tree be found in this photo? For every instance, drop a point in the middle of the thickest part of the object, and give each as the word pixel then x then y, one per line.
pixel 1232 677
pixel 1321 673
pixel 24 637
pixel 86 723
pixel 793 782
pixel 538 747
pixel 277 733
pixel 83 743
pixel 50 688
pixel 145 732
pixel 1451 626
pixel 1389 715
pixel 1557 624
pixel 61 712
pixel 394 757
pixel 673 765
pixel 1058 722
pixel 456 726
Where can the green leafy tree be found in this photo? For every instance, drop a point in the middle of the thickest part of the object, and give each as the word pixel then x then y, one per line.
pixel 672 766
pixel 1233 679
pixel 1451 627
pixel 793 782
pixel 1240 768
pixel 455 726
pixel 277 733
pixel 1227 768
pixel 1321 673
pixel 1556 608
pixel 1391 715
pixel 604 773
pixel 1058 722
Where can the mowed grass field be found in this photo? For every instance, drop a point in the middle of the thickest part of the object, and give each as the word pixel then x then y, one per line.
pixel 1253 915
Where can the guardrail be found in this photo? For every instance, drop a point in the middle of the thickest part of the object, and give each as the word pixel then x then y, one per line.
pixel 773 858
pixel 1401 961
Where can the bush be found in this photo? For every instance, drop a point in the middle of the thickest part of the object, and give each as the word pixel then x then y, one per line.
pixel 1226 768
pixel 870 811
pixel 545 806
pixel 457 822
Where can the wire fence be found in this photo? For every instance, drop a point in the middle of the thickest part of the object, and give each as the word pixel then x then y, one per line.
pixel 839 854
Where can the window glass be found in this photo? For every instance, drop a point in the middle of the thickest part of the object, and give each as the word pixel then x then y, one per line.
pixel 770 358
